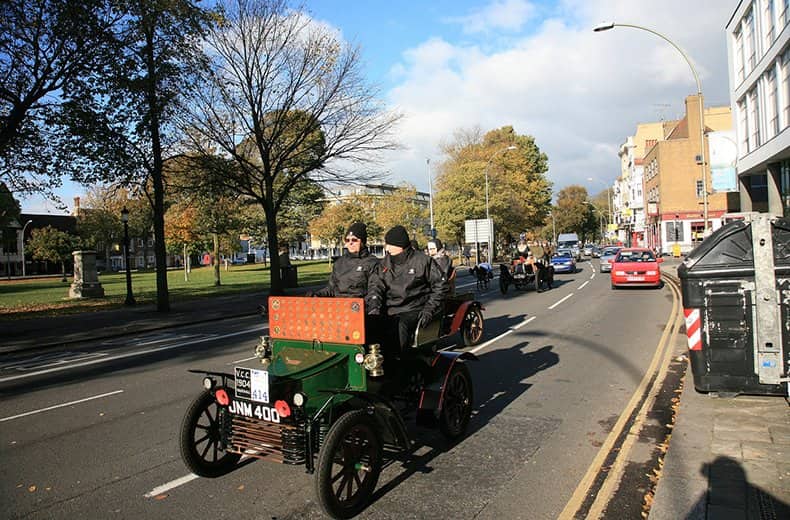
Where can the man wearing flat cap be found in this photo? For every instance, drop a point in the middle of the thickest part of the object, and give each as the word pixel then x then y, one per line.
pixel 351 273
pixel 408 288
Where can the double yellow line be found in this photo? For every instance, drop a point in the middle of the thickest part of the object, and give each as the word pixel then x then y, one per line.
pixel 659 362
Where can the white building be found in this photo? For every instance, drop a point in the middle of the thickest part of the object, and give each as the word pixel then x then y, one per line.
pixel 758 48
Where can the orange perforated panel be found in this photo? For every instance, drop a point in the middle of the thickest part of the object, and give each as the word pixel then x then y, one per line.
pixel 329 320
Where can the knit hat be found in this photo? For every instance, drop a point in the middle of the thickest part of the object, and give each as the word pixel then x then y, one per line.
pixel 397 236
pixel 359 230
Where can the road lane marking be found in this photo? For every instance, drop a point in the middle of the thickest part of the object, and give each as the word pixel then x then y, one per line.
pixel 164 488
pixel 615 472
pixel 241 360
pixel 48 408
pixel 585 283
pixel 580 494
pixel 128 355
pixel 562 300
pixel 511 330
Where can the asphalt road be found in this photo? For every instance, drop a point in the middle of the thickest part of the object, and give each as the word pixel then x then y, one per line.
pixel 92 432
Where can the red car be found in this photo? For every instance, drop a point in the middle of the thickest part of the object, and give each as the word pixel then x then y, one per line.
pixel 636 266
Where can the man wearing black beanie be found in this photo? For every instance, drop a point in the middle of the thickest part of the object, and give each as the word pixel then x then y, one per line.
pixel 408 287
pixel 352 272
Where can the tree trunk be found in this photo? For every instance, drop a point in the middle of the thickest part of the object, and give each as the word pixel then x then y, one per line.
pixel 276 283
pixel 160 253
pixel 62 270
pixel 217 281
pixel 186 264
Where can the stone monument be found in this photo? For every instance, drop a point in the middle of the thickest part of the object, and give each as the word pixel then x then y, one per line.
pixel 86 279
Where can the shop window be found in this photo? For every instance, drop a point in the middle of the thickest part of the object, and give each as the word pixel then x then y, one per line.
pixel 675 231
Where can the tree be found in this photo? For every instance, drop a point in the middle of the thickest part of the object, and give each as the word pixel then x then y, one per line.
pixel 45 45
pixel 9 206
pixel 118 120
pixel 331 225
pixel 519 192
pixel 52 245
pixel 573 212
pixel 401 207
pixel 213 210
pixel 296 95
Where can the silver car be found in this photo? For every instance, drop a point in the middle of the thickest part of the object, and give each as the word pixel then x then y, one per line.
pixel 607 257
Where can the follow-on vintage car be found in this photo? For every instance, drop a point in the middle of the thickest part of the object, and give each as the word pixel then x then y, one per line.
pixel 322 394
pixel 636 266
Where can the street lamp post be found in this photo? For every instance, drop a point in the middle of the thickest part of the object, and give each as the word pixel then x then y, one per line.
pixel 611 25
pixel 600 216
pixel 430 195
pixel 125 220
pixel 488 214
pixel 608 196
pixel 23 245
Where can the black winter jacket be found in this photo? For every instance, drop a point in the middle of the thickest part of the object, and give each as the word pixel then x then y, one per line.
pixel 351 275
pixel 410 281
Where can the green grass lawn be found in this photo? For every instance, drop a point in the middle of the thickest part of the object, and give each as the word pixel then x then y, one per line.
pixel 49 296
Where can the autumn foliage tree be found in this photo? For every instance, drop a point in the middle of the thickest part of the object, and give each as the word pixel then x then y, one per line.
pixel 401 207
pixel 573 212
pixel 519 191
pixel 331 225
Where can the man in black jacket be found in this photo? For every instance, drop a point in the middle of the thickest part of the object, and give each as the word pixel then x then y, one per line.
pixel 351 273
pixel 409 287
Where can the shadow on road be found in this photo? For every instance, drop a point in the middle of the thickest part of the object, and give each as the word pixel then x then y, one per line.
pixel 492 395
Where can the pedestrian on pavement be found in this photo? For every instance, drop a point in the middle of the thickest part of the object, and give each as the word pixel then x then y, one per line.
pixel 408 289
pixel 353 271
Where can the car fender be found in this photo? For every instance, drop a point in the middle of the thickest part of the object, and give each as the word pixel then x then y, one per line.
pixel 432 396
pixel 460 313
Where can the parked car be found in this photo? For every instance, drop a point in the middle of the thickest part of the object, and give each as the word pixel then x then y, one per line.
pixel 636 266
pixel 563 261
pixel 607 256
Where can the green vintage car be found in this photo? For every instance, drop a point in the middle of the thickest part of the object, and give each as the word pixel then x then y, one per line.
pixel 321 396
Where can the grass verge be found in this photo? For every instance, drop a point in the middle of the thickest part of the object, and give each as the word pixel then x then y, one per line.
pixel 39 297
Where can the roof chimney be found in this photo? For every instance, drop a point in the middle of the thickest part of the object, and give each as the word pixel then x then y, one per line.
pixel 76 206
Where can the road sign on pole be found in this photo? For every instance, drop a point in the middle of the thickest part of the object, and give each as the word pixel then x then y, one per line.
pixel 477 231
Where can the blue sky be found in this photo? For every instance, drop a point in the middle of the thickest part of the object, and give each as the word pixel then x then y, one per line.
pixel 535 65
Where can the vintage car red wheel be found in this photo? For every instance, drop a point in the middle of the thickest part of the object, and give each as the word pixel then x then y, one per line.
pixel 200 439
pixel 349 464
pixel 472 327
pixel 456 402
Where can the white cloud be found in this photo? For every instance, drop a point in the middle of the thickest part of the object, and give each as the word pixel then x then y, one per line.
pixel 579 93
pixel 508 15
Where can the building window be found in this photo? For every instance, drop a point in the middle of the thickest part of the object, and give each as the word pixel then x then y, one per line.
pixel 753 120
pixel 784 185
pixel 674 231
pixel 785 12
pixel 772 103
pixel 749 45
pixel 785 88
pixel 739 54
pixel 700 189
pixel 743 130
pixel 768 23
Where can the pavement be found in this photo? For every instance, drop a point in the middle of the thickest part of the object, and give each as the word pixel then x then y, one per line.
pixel 728 457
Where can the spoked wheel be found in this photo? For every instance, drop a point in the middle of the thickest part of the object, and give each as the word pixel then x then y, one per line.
pixel 472 327
pixel 200 439
pixel 457 402
pixel 349 465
